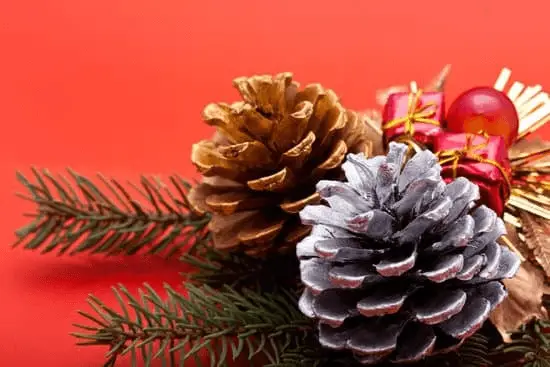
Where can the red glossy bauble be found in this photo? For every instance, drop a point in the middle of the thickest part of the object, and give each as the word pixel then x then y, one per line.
pixel 487 109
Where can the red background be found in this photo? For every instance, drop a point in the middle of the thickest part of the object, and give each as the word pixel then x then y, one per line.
pixel 117 86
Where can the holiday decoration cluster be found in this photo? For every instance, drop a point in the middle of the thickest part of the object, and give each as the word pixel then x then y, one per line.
pixel 320 236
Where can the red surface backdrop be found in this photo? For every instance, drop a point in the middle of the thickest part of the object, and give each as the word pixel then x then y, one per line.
pixel 117 86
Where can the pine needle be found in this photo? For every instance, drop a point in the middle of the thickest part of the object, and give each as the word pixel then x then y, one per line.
pixel 227 324
pixel 475 352
pixel 216 268
pixel 530 346
pixel 76 215
pixel 221 324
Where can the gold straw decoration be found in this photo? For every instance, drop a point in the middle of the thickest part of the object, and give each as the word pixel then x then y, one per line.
pixel 532 103
pixel 528 208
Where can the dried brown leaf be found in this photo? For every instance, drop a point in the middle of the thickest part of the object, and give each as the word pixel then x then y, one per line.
pixel 524 301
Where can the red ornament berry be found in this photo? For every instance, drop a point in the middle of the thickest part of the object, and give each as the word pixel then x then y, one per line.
pixel 487 109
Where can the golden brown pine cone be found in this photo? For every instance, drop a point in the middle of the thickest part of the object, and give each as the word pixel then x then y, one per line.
pixel 269 151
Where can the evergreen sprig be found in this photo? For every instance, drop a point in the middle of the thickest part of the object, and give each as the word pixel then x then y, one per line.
pixel 530 346
pixel 223 324
pixel 76 215
pixel 475 352
pixel 217 268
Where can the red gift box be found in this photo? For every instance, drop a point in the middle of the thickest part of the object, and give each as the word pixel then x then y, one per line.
pixel 482 159
pixel 415 116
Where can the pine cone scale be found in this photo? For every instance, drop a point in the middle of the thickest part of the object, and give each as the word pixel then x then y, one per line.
pixel 335 157
pixel 398 264
pixel 294 207
pixel 472 266
pixel 382 302
pixel 432 310
pixel 381 338
pixel 231 223
pixel 231 202
pixel 229 123
pixel 227 240
pixel 255 123
pixel 469 320
pixel 260 230
pixel 334 314
pixel 197 196
pixel 444 268
pixel 274 145
pixel 277 182
pixel 311 93
pixel 291 129
pixel 210 162
pixel 422 341
pixel 325 115
pixel 297 156
pixel 248 155
pixel 294 233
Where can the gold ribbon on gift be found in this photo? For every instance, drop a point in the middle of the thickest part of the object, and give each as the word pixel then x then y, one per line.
pixel 469 152
pixel 414 146
pixel 415 113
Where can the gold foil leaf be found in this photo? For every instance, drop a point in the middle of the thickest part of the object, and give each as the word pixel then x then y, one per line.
pixel 523 149
pixel 537 232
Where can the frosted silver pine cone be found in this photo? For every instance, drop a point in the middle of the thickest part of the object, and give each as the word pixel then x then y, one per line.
pixel 400 265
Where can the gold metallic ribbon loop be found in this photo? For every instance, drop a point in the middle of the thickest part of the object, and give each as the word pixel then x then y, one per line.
pixel 415 113
pixel 468 152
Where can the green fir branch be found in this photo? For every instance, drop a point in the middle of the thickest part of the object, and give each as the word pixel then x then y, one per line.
pixel 225 324
pixel 222 324
pixel 530 346
pixel 475 352
pixel 76 215
pixel 238 270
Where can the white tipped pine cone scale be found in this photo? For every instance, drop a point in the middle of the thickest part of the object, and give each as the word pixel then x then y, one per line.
pixel 400 265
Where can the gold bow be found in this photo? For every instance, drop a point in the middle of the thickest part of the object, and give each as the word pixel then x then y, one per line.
pixel 415 113
pixel 469 150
